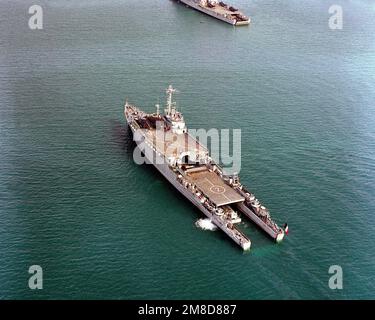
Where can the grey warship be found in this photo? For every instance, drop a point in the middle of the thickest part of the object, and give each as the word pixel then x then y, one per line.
pixel 219 10
pixel 187 165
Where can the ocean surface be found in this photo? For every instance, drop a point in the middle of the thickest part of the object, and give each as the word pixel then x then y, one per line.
pixel 73 201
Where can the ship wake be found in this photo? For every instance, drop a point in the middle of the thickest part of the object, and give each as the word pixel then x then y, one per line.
pixel 205 224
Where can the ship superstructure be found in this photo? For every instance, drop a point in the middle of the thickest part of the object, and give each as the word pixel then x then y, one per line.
pixel 219 10
pixel 186 164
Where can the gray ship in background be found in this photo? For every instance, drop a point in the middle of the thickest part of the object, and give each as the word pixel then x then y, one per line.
pixel 219 10
pixel 187 165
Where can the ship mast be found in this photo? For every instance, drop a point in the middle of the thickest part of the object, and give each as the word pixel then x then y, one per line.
pixel 170 104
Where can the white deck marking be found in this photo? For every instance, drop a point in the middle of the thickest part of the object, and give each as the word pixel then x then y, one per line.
pixel 216 192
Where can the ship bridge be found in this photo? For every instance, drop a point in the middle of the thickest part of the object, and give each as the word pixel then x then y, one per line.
pixel 213 187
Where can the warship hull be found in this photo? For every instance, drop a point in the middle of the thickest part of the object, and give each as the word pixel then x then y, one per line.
pixel 277 236
pixel 222 15
pixel 164 141
pixel 160 164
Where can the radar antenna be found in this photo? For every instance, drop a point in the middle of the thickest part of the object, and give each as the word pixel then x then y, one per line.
pixel 170 104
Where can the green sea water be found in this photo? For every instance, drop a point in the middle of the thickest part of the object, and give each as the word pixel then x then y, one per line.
pixel 73 201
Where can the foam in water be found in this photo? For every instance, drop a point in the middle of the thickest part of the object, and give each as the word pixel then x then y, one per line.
pixel 205 224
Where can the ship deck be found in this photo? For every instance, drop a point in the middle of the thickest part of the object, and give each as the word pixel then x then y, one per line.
pixel 172 145
pixel 215 8
pixel 214 188
pixel 222 10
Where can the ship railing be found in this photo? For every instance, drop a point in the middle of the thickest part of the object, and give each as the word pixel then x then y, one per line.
pixel 267 220
pixel 199 194
pixel 193 188
pixel 238 233
pixel 200 146
pixel 212 208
